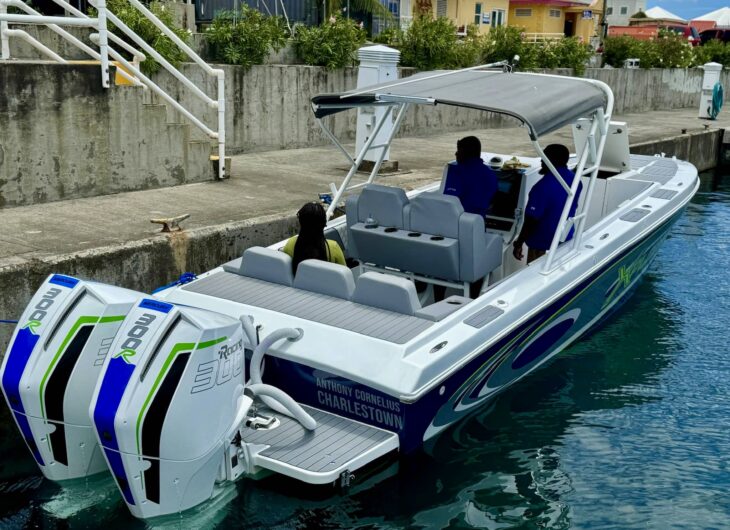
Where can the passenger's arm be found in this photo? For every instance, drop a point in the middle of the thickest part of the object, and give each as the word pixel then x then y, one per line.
pixel 528 228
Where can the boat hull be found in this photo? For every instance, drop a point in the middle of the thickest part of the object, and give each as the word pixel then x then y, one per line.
pixel 500 364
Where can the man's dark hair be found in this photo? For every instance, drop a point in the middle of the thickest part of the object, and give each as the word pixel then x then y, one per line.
pixel 469 147
pixel 558 154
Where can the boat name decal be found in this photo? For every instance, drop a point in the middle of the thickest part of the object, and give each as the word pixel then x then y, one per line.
pixel 359 403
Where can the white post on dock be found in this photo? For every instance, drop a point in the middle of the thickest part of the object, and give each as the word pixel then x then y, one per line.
pixel 709 80
pixel 378 64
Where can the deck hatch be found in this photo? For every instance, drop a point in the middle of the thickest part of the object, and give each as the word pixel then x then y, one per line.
pixel 637 214
pixel 483 317
pixel 366 320
pixel 664 194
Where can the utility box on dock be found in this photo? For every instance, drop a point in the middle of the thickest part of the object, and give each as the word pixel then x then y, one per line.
pixel 378 64
pixel 709 80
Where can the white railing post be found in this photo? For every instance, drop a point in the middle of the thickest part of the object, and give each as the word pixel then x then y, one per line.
pixel 4 34
pixel 221 77
pixel 103 42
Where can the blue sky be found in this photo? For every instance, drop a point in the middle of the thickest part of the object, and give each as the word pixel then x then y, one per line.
pixel 689 9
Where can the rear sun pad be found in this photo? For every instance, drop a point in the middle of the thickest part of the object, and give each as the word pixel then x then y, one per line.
pixel 358 318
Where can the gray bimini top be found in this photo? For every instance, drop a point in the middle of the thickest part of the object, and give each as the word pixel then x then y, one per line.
pixel 543 103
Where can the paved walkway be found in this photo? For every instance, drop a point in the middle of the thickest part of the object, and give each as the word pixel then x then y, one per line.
pixel 263 184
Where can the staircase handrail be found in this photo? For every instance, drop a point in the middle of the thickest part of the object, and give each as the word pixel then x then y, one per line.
pixel 19 4
pixel 133 72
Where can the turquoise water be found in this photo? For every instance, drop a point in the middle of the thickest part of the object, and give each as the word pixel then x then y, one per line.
pixel 629 428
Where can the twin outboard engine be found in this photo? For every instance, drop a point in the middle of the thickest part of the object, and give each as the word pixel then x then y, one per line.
pixel 99 377
pixel 51 368
pixel 164 407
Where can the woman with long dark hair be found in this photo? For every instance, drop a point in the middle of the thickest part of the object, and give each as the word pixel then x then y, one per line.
pixel 310 243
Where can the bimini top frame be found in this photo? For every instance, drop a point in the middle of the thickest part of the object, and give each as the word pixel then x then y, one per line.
pixel 542 103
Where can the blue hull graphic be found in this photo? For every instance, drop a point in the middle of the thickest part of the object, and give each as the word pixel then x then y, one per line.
pixel 501 364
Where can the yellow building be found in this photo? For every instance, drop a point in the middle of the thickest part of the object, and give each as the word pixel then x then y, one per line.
pixel 484 14
pixel 550 19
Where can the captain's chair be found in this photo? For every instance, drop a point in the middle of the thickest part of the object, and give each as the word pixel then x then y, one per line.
pixel 430 236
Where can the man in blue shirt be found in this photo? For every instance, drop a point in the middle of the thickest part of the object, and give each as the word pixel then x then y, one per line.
pixel 471 180
pixel 545 205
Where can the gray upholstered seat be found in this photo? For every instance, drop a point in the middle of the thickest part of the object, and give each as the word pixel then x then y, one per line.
pixel 384 204
pixel 443 215
pixel 325 278
pixel 268 265
pixel 386 292
pixel 437 238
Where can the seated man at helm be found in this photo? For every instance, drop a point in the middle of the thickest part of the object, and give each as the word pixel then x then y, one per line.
pixel 545 206
pixel 471 180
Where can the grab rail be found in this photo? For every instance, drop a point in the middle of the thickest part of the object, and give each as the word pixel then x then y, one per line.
pixel 131 71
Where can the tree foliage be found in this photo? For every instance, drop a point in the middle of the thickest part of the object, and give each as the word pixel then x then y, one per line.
pixel 143 27
pixel 432 43
pixel 668 50
pixel 332 44
pixel 246 37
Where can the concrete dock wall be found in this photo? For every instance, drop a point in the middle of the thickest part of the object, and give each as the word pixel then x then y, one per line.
pixel 63 136
pixel 269 108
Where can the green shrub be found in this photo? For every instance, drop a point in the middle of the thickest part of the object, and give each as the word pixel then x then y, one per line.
pixel 570 52
pixel 430 44
pixel 713 51
pixel 333 44
pixel 673 50
pixel 470 50
pixel 504 42
pixel 617 49
pixel 140 25
pixel 245 38
pixel 390 36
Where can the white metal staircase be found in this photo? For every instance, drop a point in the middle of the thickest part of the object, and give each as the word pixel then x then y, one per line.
pixel 109 46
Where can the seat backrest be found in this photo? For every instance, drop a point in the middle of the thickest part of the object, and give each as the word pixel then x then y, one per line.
pixel 436 214
pixel 325 278
pixel 384 204
pixel 386 291
pixel 268 265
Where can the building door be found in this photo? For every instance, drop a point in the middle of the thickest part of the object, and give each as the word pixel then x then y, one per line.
pixel 569 28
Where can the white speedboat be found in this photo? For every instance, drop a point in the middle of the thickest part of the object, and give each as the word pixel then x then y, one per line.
pixel 359 362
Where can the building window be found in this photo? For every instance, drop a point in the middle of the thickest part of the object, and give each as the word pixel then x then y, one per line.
pixel 609 11
pixel 624 10
pixel 497 17
pixel 441 8
pixel 478 14
pixel 555 13
pixel 523 12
